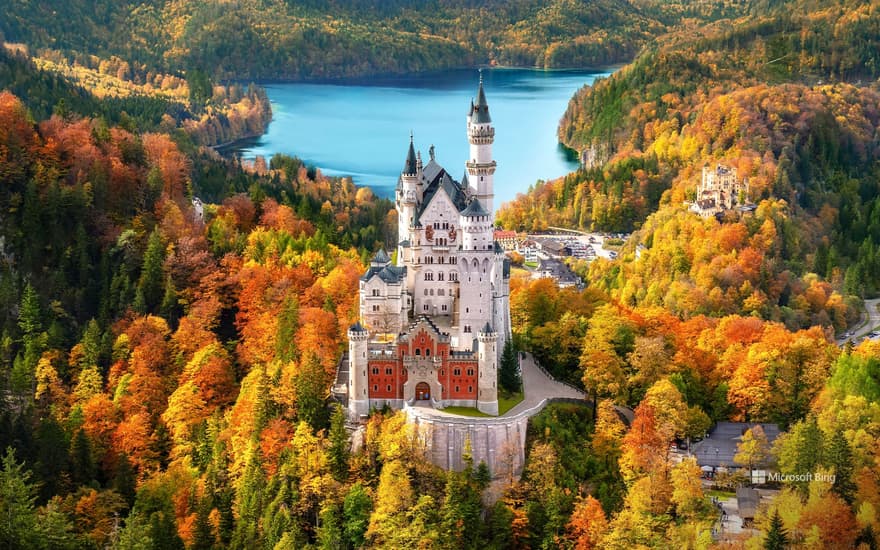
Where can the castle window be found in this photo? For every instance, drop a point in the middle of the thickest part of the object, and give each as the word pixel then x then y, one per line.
pixel 443 307
pixel 388 387
pixel 418 351
pixel 375 308
pixel 467 328
pixel 375 387
pixel 425 307
pixel 432 292
pixel 457 389
pixel 470 372
pixel 389 371
pixel 440 276
pixel 440 291
pixel 470 389
pixel 456 372
pixel 426 292
pixel 375 370
pixel 375 292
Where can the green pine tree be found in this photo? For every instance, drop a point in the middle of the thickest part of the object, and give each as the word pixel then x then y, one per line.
pixel 838 455
pixel 356 510
pixel 151 285
pixel 310 393
pixel 19 527
pixel 288 324
pixel 330 531
pixel 777 536
pixel 338 452
pixel 508 373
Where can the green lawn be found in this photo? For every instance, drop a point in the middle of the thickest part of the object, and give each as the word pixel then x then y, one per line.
pixel 531 264
pixel 505 403
pixel 721 495
pixel 466 411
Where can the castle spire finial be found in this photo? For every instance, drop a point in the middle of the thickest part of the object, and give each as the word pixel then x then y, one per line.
pixel 481 76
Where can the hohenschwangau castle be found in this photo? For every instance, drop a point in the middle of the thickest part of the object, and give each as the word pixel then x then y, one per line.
pixel 435 321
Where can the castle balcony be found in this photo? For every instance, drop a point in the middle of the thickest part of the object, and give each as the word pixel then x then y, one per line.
pixel 410 360
pixel 440 248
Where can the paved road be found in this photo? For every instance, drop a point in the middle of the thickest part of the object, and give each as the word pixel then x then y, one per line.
pixel 870 320
pixel 538 386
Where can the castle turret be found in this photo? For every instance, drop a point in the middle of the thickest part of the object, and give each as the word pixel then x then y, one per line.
pixel 358 397
pixel 487 388
pixel 407 194
pixel 481 135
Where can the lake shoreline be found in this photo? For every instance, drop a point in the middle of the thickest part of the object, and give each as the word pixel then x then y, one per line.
pixel 361 129
pixel 367 79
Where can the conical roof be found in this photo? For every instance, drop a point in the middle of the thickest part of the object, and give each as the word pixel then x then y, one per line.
pixel 481 107
pixel 410 166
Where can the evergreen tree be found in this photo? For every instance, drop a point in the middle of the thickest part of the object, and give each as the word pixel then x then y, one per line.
pixel 338 452
pixel 151 285
pixel 838 455
pixel 32 339
pixel 777 537
pixel 330 532
pixel 508 374
pixel 249 504
pixel 51 452
pixel 356 510
pixel 169 307
pixel 460 513
pixel 92 345
pixel 310 393
pixel 125 480
pixel 288 324
pixel 19 526
pixel 82 464
pixel 203 539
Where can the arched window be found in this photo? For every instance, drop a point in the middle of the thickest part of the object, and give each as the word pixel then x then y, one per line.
pixel 418 351
pixel 427 352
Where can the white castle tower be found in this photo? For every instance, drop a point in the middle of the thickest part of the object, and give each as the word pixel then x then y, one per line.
pixel 481 135
pixel 358 395
pixel 487 349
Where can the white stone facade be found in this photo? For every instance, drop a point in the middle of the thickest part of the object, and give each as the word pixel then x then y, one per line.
pixel 448 269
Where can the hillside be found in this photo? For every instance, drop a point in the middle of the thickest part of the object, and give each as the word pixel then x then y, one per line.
pixel 789 101
pixel 120 94
pixel 283 40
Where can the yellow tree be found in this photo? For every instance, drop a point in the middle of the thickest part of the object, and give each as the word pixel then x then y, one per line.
pixel 752 449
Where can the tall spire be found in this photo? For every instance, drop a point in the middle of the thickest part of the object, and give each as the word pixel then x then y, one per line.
pixel 481 107
pixel 410 167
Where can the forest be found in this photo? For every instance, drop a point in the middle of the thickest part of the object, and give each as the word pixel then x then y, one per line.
pixel 132 97
pixel 165 363
pixel 248 39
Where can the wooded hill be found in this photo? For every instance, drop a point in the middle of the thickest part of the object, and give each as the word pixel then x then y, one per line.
pixel 286 40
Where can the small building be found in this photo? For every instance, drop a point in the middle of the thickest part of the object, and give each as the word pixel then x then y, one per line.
pixel 506 238
pixel 557 270
pixel 529 250
pixel 552 247
pixel 718 449
pixel 747 500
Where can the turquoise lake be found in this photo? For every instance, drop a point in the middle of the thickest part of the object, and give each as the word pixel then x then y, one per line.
pixel 360 128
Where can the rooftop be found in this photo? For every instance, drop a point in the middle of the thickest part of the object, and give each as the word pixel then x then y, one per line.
pixel 720 447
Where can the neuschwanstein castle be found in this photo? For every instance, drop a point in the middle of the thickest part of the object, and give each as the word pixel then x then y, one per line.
pixel 435 321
